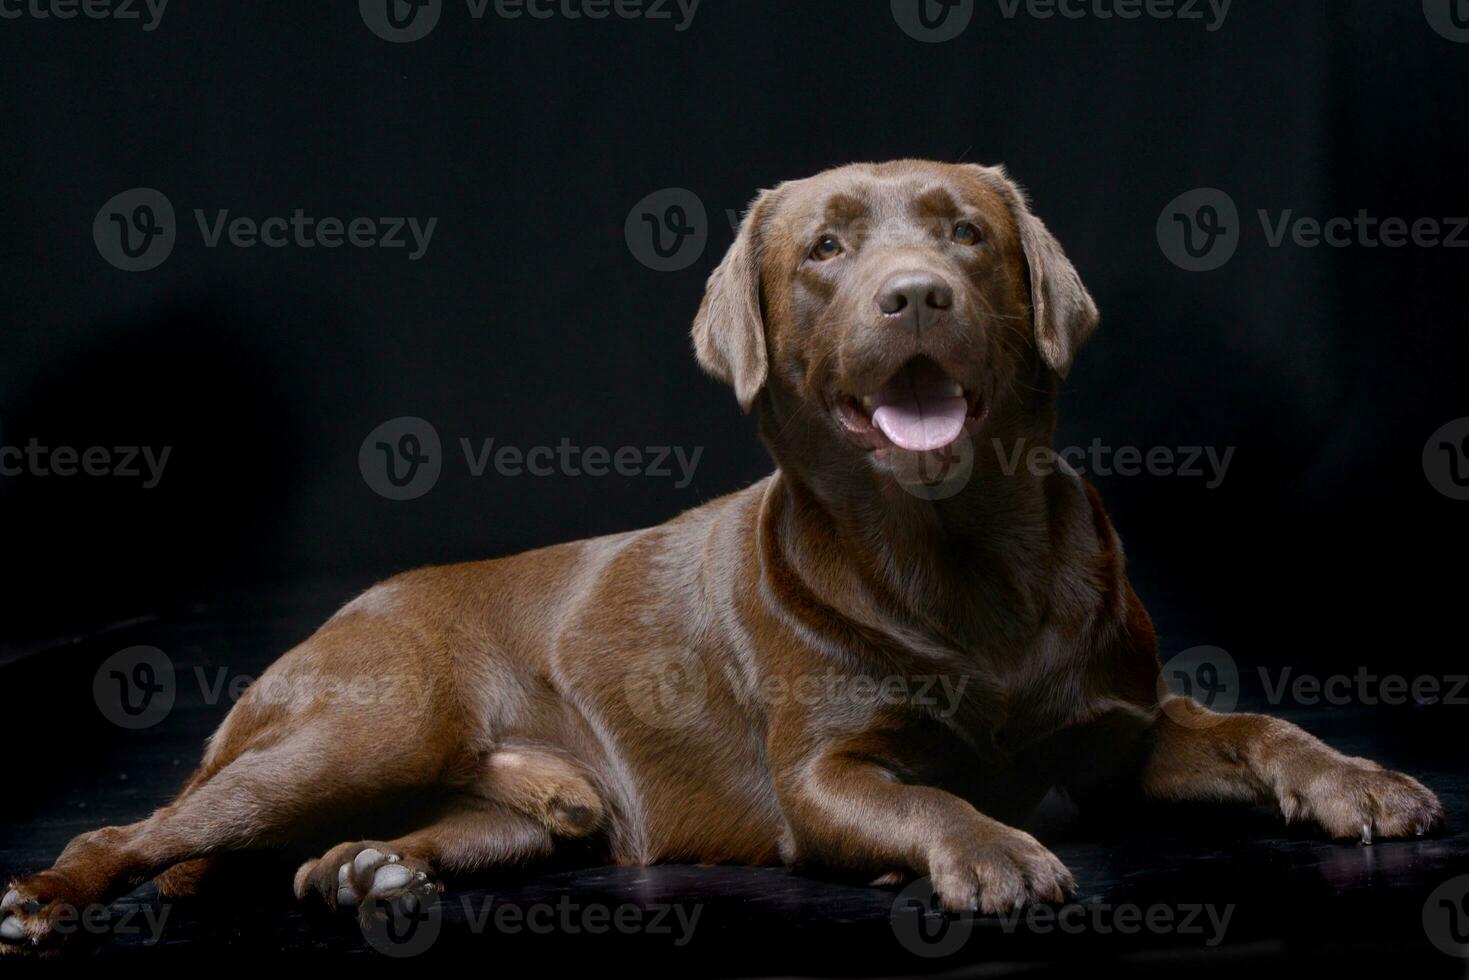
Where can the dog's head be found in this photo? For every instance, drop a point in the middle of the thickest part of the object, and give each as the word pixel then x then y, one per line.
pixel 888 310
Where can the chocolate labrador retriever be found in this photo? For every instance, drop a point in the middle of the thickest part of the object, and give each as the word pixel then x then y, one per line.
pixel 754 681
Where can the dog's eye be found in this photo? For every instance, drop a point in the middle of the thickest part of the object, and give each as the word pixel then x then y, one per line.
pixel 967 233
pixel 827 248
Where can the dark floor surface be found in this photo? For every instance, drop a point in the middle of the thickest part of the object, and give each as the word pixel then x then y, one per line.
pixel 1291 900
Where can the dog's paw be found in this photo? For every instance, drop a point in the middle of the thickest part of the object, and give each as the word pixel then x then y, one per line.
pixel 998 874
pixel 31 911
pixel 1356 799
pixel 361 873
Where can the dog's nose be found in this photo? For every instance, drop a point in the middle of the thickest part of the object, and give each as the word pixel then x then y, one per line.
pixel 914 290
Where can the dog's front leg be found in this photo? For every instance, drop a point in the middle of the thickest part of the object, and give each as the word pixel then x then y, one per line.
pixel 1201 755
pixel 849 812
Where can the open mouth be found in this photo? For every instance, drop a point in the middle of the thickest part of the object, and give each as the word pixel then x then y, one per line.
pixel 920 409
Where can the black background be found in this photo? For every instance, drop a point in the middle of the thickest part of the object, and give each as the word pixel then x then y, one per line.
pixel 529 320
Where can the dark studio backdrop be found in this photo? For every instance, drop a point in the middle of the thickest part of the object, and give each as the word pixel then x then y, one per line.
pixel 531 319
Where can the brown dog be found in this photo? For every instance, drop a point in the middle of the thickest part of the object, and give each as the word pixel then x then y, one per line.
pixel 755 680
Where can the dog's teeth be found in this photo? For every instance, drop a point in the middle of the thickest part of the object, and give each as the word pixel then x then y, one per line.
pixel 868 403
pixel 955 390
pixel 12 930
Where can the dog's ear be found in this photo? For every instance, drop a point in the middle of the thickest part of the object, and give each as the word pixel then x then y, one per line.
pixel 1065 314
pixel 729 330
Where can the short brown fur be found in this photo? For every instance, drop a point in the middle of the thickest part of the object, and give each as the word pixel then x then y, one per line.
pixel 640 690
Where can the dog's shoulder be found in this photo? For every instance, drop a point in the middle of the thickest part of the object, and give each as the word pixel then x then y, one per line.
pixel 1119 637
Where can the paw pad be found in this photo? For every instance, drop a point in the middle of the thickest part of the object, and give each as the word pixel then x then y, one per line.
pixel 11 930
pixel 390 877
pixel 358 875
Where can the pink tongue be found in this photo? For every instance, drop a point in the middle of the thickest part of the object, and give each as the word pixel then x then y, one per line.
pixel 916 411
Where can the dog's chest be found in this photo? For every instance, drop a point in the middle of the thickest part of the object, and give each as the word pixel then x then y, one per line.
pixel 1007 704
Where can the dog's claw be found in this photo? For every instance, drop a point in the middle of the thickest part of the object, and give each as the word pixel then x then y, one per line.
pixel 1367 834
pixel 12 898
